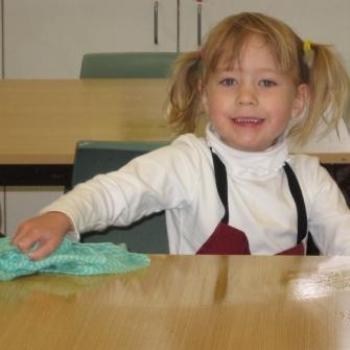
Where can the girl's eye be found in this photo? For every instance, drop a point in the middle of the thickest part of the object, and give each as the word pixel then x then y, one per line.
pixel 267 83
pixel 228 82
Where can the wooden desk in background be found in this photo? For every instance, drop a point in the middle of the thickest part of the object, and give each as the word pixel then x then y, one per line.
pixel 185 302
pixel 42 120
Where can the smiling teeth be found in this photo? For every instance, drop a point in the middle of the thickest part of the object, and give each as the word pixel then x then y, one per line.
pixel 248 120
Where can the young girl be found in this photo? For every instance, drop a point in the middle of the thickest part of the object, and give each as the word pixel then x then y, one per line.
pixel 236 191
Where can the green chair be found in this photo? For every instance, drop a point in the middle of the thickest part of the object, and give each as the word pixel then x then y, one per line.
pixel 141 65
pixel 93 157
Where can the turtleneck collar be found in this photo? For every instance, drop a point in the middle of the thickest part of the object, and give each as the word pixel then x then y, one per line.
pixel 249 165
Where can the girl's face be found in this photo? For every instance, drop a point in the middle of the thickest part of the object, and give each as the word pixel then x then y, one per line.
pixel 251 105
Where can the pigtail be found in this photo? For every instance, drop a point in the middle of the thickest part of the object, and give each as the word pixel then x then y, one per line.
pixel 184 105
pixel 329 91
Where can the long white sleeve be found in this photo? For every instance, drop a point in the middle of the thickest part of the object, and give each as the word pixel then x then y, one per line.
pixel 159 180
pixel 328 213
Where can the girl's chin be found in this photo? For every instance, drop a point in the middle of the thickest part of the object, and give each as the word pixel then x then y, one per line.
pixel 249 146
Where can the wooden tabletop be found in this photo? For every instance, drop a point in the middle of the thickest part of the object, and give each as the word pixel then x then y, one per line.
pixel 185 302
pixel 42 120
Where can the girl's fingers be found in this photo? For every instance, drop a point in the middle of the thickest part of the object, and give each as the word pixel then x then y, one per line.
pixel 39 236
pixel 24 241
pixel 43 249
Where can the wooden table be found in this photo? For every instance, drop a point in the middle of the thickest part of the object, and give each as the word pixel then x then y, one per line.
pixel 185 302
pixel 42 120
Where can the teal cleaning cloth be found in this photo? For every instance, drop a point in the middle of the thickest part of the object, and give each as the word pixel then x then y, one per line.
pixel 71 258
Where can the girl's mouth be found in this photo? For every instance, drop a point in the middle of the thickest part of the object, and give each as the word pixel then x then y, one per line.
pixel 248 121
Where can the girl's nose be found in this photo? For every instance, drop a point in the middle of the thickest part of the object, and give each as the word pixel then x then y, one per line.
pixel 246 95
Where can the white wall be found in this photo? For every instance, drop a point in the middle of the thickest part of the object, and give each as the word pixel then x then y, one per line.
pixel 48 38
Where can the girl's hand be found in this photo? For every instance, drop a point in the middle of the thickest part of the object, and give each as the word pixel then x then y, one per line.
pixel 42 233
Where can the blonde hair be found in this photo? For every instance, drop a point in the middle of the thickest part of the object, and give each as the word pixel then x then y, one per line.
pixel 314 64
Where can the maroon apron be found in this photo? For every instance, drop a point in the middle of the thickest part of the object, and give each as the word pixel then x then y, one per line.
pixel 228 240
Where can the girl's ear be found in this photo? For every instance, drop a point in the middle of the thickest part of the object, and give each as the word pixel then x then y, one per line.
pixel 301 100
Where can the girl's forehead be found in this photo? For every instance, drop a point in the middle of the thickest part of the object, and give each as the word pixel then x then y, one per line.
pixel 254 52
pixel 226 54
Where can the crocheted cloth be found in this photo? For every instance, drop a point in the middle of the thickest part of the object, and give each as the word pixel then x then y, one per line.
pixel 71 258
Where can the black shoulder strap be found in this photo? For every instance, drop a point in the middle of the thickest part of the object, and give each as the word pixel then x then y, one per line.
pixel 221 183
pixel 299 202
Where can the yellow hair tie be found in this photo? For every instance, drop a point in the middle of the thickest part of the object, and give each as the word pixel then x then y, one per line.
pixel 307 46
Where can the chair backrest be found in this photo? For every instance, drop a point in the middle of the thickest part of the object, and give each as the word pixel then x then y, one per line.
pixel 94 157
pixel 141 65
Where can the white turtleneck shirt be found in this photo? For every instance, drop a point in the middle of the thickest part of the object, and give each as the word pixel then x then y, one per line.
pixel 180 179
